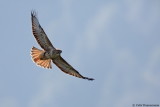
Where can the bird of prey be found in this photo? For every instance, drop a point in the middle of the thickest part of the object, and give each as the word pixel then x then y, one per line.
pixel 49 54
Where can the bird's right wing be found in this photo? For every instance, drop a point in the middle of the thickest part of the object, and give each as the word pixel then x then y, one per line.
pixel 67 68
pixel 39 33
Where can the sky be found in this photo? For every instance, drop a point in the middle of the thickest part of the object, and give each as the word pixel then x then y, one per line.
pixel 115 42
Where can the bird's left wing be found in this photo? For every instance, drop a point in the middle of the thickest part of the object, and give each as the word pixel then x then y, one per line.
pixel 67 68
pixel 39 33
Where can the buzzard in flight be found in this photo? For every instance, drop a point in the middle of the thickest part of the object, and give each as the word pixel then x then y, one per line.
pixel 49 53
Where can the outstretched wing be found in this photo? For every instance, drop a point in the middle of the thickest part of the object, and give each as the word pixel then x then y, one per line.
pixel 67 68
pixel 39 33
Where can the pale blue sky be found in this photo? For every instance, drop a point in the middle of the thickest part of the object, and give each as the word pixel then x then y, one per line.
pixel 115 42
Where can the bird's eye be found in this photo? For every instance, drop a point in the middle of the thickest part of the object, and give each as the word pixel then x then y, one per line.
pixel 60 51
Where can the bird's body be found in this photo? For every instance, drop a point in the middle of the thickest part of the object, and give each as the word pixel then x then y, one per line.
pixel 50 54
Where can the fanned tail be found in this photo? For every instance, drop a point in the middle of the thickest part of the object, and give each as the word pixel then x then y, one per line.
pixel 35 54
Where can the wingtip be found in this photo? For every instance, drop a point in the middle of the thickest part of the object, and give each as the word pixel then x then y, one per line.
pixel 91 79
pixel 33 13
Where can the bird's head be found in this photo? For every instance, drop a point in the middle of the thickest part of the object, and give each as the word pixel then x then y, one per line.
pixel 58 51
